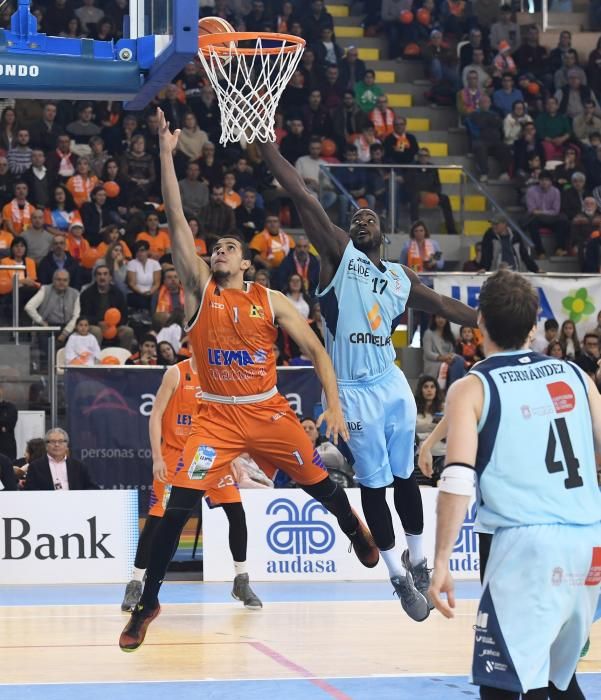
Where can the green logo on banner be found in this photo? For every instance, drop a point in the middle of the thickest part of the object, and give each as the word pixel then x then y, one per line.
pixel 578 305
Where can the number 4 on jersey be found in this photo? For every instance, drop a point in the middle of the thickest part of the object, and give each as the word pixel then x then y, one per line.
pixel 572 465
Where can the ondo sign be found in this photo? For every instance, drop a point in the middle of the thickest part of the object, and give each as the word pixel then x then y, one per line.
pixel 67 536
pixel 292 537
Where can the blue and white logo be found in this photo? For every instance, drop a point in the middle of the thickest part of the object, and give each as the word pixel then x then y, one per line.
pixel 466 553
pixel 299 537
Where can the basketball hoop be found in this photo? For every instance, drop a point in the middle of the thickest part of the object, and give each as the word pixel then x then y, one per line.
pixel 249 71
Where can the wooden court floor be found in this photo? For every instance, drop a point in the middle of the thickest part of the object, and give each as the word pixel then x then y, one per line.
pixel 288 639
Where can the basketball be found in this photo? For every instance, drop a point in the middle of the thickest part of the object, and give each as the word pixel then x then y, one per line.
pixel 112 189
pixel 533 88
pixel 423 16
pixel 429 199
pixel 109 332
pixel 412 50
pixel 328 148
pixel 215 25
pixel 112 316
pixel 406 17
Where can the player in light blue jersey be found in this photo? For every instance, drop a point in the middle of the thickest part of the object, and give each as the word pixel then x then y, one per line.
pixel 523 427
pixel 362 299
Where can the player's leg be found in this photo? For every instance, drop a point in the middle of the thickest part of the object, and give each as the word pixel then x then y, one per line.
pixel 399 429
pixel 133 590
pixel 181 503
pixel 227 495
pixel 283 441
pixel 159 496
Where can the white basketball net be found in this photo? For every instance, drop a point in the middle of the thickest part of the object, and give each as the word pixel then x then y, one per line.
pixel 249 87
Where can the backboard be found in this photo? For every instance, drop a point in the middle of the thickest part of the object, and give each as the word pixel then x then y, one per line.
pixel 159 38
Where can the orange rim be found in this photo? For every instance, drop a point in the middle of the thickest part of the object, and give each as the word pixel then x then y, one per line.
pixel 216 41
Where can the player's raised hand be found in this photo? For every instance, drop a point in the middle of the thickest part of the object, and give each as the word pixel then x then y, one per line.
pixel 159 470
pixel 335 424
pixel 424 461
pixel 442 583
pixel 167 140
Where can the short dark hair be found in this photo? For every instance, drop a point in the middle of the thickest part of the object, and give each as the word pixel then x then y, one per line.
pixel 82 318
pixel 590 335
pixel 551 325
pixel 148 338
pixel 509 305
pixel 246 254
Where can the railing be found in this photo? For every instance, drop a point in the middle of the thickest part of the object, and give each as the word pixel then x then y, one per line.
pixel 52 385
pixel 392 191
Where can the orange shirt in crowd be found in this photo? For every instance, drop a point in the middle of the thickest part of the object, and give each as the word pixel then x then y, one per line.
pixel 232 199
pixel 6 276
pixel 102 248
pixel 201 246
pixel 18 218
pixel 81 188
pixel 272 248
pixel 6 238
pixel 159 245
pixel 63 219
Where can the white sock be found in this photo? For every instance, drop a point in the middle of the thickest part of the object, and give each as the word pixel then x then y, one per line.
pixel 138 574
pixel 416 548
pixel 240 567
pixel 392 559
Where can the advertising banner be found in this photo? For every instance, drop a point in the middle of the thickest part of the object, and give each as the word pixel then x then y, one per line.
pixel 291 537
pixel 108 412
pixel 67 536
pixel 562 297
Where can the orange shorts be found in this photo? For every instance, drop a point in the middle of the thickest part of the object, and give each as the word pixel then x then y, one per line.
pixel 227 492
pixel 269 431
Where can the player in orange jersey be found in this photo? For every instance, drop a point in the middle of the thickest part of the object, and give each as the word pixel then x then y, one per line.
pixel 170 421
pixel 231 327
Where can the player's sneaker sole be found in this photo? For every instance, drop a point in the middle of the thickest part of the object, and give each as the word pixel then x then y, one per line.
pixel 134 632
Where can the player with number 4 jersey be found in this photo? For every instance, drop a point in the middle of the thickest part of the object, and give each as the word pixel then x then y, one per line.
pixel 523 427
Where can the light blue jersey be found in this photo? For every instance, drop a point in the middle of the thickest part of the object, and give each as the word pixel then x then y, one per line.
pixel 539 495
pixel 361 307
pixel 536 459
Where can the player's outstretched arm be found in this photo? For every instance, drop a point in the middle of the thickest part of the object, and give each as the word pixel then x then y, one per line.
pixel 329 240
pixel 297 327
pixel 192 270
pixel 165 392
pixel 423 298
pixel 462 409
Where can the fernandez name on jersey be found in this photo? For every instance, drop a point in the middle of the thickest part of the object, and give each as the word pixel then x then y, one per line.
pixel 526 375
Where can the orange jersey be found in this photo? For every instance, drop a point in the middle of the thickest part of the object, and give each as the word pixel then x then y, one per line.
pixel 159 244
pixel 177 419
pixel 232 336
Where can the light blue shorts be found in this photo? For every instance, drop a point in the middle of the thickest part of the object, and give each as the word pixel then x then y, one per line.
pixel 380 415
pixel 541 588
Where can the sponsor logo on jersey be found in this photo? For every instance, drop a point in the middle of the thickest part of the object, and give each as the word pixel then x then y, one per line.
pixel 374 318
pixel 594 575
pixel 224 358
pixel 256 311
pixel 562 396
pixel 217 305
pixel 370 339
pixel 300 537
pixel 359 267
